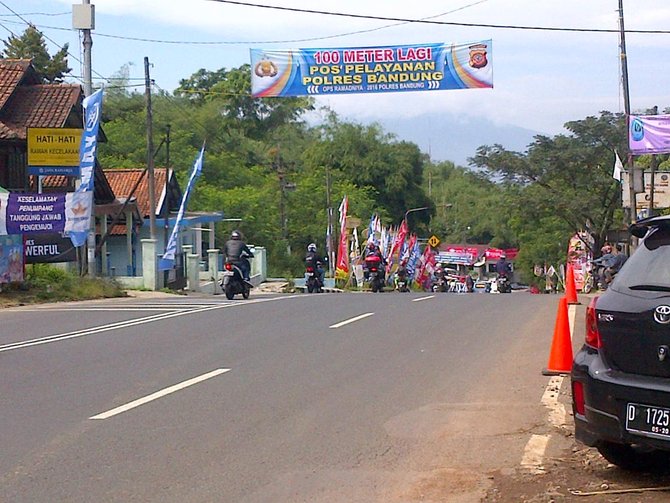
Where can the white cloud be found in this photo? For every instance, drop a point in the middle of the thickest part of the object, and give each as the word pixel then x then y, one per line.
pixel 542 79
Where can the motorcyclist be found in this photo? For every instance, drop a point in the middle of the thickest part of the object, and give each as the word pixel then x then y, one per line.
pixel 401 273
pixel 313 259
pixel 615 263
pixel 236 251
pixel 503 268
pixel 439 280
pixel 374 254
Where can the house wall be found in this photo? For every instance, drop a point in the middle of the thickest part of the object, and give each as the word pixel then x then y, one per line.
pixel 118 250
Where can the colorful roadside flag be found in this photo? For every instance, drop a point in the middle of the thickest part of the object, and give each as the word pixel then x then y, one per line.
pixel 427 265
pixel 342 266
pixel 397 243
pixel 167 261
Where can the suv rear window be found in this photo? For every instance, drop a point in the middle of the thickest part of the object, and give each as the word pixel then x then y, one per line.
pixel 648 269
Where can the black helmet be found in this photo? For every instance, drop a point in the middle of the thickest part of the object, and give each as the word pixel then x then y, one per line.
pixel 235 235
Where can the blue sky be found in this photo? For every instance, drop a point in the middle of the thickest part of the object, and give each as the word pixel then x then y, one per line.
pixel 542 79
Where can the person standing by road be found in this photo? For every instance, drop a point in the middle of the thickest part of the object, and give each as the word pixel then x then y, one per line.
pixel 616 262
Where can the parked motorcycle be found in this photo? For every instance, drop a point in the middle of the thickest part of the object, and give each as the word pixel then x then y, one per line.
pixel 401 283
pixel 439 285
pixel 313 280
pixel 233 282
pixel 503 283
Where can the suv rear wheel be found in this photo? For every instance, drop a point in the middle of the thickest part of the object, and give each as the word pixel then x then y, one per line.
pixel 635 458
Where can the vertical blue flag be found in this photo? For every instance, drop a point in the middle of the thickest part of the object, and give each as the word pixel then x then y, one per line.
pixel 87 155
pixel 167 262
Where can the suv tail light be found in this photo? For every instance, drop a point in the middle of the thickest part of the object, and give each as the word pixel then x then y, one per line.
pixel 592 333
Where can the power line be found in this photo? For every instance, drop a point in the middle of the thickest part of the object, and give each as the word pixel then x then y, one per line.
pixel 246 42
pixel 28 23
pixel 441 23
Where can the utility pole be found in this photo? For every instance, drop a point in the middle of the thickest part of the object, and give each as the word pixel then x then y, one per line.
pixel 626 100
pixel 150 152
pixel 83 18
pixel 88 45
pixel 652 167
pixel 167 184
pixel 329 234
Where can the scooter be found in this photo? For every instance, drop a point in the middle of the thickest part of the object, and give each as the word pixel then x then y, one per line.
pixel 375 275
pixel 504 285
pixel 313 281
pixel 233 282
pixel 401 283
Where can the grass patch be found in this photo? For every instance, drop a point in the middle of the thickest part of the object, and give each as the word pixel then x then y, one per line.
pixel 45 283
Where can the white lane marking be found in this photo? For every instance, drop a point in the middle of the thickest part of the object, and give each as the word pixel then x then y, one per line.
pixel 159 394
pixel 557 413
pixel 533 454
pixel 351 320
pixel 423 298
pixel 130 323
pixel 122 308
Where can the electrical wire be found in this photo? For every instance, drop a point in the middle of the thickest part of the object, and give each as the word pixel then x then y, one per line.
pixel 28 23
pixel 429 21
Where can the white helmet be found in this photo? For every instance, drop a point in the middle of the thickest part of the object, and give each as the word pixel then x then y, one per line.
pixel 311 247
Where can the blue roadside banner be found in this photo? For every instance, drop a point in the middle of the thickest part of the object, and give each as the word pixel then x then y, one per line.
pixel 167 261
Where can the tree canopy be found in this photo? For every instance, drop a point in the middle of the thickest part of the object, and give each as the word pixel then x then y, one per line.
pixel 31 45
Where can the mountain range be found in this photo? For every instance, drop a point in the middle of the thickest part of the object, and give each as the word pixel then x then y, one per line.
pixel 455 138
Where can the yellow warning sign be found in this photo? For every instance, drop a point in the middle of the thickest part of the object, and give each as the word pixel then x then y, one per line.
pixel 434 241
pixel 53 146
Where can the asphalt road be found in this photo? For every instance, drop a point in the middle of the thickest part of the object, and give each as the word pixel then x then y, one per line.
pixel 282 398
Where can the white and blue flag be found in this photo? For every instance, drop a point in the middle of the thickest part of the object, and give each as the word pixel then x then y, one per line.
pixel 167 262
pixel 81 222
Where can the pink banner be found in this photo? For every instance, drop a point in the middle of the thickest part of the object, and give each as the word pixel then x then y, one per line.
pixel 649 134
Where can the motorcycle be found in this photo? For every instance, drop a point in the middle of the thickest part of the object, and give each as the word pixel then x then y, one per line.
pixel 503 283
pixel 313 279
pixel 401 284
pixel 375 274
pixel 439 285
pixel 233 282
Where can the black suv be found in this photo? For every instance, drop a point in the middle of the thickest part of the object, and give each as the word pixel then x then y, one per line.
pixel 621 376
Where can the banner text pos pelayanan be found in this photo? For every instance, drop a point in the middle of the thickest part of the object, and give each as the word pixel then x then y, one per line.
pixel 418 67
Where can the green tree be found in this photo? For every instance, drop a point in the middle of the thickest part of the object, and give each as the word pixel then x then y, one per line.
pixel 567 177
pixel 31 45
pixel 374 160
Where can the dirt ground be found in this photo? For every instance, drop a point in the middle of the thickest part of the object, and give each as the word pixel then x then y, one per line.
pixel 581 474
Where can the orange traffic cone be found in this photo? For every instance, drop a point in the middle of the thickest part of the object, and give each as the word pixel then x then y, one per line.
pixel 570 288
pixel 560 358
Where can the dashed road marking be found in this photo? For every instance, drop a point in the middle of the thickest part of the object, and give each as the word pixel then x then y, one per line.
pixel 159 394
pixel 351 320
pixel 423 298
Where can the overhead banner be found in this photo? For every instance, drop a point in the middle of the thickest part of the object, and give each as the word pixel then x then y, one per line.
pixel 649 134
pixel 418 67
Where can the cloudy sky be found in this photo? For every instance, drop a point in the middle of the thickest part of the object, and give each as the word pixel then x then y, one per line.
pixel 542 78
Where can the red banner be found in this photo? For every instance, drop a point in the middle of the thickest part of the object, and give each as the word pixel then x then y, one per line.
pixel 342 267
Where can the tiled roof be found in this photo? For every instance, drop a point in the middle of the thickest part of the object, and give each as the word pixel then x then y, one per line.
pixel 44 105
pixel 12 71
pixel 122 182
